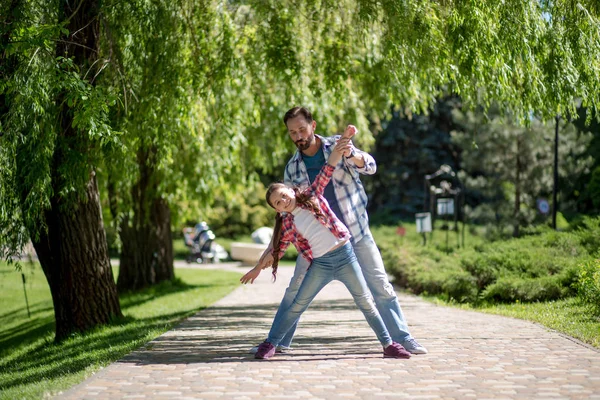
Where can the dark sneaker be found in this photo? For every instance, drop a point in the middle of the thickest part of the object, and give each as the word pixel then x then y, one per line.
pixel 265 351
pixel 280 349
pixel 395 350
pixel 414 347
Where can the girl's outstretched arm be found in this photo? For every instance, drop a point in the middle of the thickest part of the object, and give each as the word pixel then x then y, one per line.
pixel 265 261
pixel 343 147
pixel 251 275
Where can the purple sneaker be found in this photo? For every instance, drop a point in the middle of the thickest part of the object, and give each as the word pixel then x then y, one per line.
pixel 395 350
pixel 266 350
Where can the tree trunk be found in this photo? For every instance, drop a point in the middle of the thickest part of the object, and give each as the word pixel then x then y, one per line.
pixel 147 252
pixel 74 257
pixel 73 251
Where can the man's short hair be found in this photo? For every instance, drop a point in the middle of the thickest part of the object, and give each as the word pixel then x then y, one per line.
pixel 294 112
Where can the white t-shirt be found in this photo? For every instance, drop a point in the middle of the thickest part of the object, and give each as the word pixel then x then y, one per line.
pixel 320 239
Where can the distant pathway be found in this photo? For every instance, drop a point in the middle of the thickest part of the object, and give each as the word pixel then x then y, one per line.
pixel 336 355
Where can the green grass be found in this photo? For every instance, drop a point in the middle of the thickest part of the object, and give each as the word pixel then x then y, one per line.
pixel 568 316
pixel 32 365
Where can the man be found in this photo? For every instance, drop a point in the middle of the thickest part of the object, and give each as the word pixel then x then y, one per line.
pixel 347 199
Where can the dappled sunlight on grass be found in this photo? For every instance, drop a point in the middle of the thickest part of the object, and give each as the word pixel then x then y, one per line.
pixel 32 364
pixel 568 316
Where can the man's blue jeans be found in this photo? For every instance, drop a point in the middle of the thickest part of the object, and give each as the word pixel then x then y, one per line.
pixel 340 264
pixel 377 280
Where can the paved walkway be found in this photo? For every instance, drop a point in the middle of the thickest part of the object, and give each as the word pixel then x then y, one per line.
pixel 336 355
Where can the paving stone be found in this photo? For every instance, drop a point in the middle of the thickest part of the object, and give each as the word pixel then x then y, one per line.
pixel 336 355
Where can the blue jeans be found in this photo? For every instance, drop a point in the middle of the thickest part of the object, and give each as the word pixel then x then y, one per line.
pixel 339 264
pixel 374 273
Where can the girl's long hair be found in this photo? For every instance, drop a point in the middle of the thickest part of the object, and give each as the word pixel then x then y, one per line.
pixel 308 201
pixel 276 241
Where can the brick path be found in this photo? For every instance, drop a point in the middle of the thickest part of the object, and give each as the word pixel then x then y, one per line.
pixel 336 355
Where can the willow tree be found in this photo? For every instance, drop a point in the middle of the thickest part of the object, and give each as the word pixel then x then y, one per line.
pixel 208 85
pixel 201 88
pixel 204 89
pixel 55 122
pixel 527 56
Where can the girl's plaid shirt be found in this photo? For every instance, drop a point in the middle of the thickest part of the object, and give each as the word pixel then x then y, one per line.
pixel 348 188
pixel 289 233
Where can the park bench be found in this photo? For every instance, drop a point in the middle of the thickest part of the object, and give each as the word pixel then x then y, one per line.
pixel 247 253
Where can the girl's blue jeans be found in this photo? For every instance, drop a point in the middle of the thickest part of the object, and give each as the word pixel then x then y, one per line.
pixel 340 264
pixel 373 270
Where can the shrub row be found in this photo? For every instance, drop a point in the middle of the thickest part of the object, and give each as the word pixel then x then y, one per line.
pixel 544 265
pixel 588 285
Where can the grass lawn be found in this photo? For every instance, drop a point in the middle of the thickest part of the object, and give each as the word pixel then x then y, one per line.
pixel 32 365
pixel 568 316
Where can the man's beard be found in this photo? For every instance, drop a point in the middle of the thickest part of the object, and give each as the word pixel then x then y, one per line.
pixel 305 144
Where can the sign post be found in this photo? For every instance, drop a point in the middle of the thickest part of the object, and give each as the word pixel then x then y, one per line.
pixel 423 221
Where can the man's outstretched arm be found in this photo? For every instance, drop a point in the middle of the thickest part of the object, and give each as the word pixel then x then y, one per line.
pixel 362 161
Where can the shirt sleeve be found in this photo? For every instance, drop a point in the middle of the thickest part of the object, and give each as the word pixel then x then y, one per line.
pixel 287 176
pixel 370 166
pixel 318 186
pixel 283 245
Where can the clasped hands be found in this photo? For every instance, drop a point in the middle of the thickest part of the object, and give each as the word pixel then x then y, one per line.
pixel 345 142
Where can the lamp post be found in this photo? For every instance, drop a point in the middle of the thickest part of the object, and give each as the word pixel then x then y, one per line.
pixel 555 183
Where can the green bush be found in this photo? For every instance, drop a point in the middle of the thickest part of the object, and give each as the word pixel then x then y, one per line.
pixel 588 284
pixel 484 273
pixel 512 289
pixel 460 287
pixel 589 234
pixel 541 266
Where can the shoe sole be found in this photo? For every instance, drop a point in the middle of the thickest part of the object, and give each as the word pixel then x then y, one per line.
pixel 278 351
pixel 262 358
pixel 417 352
pixel 399 357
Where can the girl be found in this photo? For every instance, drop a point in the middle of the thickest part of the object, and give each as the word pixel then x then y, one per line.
pixel 305 219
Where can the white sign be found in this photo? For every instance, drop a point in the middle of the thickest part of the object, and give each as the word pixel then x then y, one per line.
pixel 445 206
pixel 423 222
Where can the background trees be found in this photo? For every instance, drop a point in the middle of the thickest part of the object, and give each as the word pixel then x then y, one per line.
pixel 166 101
pixel 510 167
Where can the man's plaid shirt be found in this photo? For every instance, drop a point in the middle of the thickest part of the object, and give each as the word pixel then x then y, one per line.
pixel 289 233
pixel 348 188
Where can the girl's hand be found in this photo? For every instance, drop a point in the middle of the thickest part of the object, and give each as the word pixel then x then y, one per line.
pixel 343 145
pixel 251 275
pixel 350 131
pixel 266 259
pixel 348 134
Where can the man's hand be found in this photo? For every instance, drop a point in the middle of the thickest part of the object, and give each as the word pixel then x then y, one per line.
pixel 251 275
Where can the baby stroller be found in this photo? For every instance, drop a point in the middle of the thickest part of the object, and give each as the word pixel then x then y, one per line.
pixel 200 241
